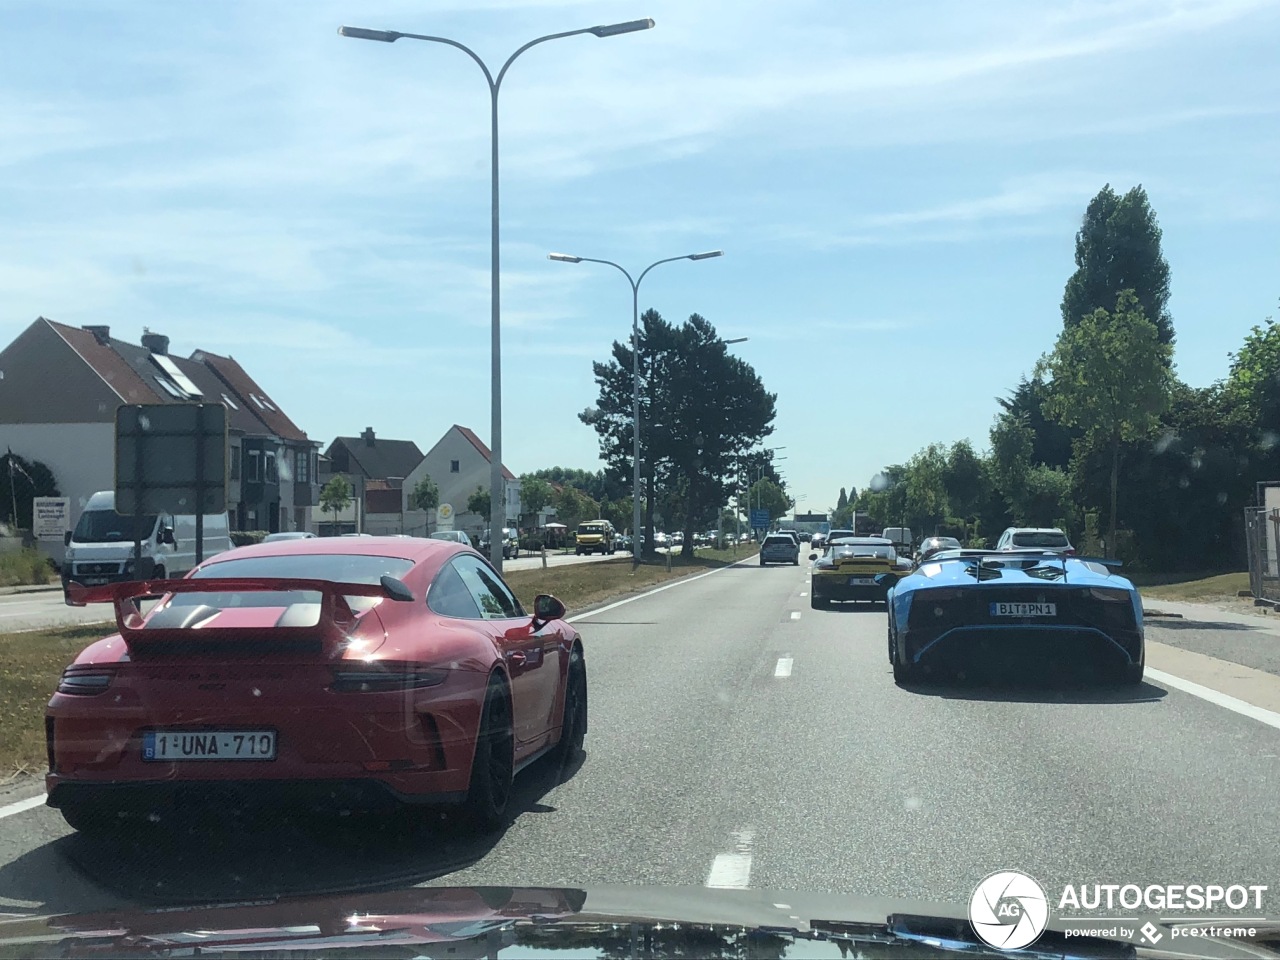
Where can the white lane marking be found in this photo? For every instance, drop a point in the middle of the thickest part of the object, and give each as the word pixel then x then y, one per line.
pixel 21 806
pixel 1242 707
pixel 732 871
pixel 649 593
pixel 804 593
pixel 795 614
pixel 783 669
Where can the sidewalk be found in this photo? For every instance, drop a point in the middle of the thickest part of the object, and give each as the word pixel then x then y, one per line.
pixel 29 588
pixel 1207 615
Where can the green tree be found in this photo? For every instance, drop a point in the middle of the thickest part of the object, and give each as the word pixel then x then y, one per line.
pixel 425 495
pixel 964 481
pixel 926 493
pixel 21 481
pixel 842 501
pixel 572 507
pixel 1253 385
pixel 767 495
pixel 335 496
pixel 700 406
pixel 479 502
pixel 535 493
pixel 1051 442
pixel 1118 249
pixel 1112 380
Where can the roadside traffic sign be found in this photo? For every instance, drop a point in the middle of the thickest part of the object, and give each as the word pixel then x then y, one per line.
pixel 760 519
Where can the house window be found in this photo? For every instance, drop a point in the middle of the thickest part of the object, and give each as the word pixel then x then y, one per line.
pixel 453 466
pixel 272 477
pixel 302 462
pixel 235 463
pixel 253 466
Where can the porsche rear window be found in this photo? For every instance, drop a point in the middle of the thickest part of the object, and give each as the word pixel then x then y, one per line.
pixel 337 567
pixel 878 551
pixel 1047 538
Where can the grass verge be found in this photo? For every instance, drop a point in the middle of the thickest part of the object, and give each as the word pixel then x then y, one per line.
pixel 23 567
pixel 579 585
pixel 1204 588
pixel 31 662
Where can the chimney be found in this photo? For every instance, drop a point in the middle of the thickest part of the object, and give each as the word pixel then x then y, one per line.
pixel 367 436
pixel 100 333
pixel 155 342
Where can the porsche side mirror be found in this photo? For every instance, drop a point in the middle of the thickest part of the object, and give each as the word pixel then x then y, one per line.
pixel 547 607
pixel 884 580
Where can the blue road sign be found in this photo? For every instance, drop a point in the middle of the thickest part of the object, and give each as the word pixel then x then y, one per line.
pixel 760 518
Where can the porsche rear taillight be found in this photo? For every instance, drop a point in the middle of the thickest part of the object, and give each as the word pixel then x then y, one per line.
pixel 377 677
pixel 85 681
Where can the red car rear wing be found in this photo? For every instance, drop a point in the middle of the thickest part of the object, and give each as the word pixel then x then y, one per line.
pixel 336 616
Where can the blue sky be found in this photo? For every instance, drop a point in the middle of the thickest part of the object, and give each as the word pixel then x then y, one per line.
pixel 896 186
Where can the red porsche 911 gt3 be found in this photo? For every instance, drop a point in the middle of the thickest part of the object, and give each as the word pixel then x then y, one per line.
pixel 354 672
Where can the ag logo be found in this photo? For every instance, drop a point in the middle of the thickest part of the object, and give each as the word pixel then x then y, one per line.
pixel 1009 910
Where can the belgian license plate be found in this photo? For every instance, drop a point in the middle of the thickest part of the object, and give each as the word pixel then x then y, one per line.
pixel 1024 609
pixel 861 581
pixel 168 745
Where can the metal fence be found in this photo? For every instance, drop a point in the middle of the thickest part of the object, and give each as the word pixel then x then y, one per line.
pixel 1262 533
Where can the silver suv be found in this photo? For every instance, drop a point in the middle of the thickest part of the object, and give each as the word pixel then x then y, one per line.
pixel 780 548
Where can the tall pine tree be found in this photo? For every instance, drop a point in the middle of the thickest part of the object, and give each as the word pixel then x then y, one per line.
pixel 1117 249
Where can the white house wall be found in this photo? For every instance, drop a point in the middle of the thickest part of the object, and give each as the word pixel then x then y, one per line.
pixel 456 488
pixel 82 457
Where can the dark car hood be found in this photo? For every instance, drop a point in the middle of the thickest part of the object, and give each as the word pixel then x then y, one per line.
pixel 520 922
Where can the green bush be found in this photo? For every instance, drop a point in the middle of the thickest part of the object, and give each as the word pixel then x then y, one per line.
pixel 247 538
pixel 24 567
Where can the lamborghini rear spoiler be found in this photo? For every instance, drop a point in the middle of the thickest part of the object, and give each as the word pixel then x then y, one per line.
pixel 335 614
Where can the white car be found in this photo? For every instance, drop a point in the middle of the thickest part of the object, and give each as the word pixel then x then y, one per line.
pixel 457 536
pixel 1035 538
pixel 780 548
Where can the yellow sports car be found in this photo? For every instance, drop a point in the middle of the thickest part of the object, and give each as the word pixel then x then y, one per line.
pixel 848 568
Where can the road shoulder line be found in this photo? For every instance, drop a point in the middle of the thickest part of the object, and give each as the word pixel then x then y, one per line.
pixel 1244 690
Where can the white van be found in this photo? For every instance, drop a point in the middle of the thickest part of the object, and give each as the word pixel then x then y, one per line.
pixel 100 548
pixel 900 537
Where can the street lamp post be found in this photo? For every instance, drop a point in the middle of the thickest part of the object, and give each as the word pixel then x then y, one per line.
pixel 635 370
pixel 497 488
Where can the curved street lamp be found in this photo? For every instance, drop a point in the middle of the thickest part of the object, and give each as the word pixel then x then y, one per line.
pixel 635 370
pixel 497 488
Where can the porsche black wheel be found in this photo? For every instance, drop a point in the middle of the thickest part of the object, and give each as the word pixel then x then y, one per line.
pixel 493 769
pixel 573 730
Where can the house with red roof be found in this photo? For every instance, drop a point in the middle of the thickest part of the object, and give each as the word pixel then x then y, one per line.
pixel 459 463
pixel 60 387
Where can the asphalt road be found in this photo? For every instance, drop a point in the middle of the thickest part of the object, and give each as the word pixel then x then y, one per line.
pixel 29 611
pixel 739 738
